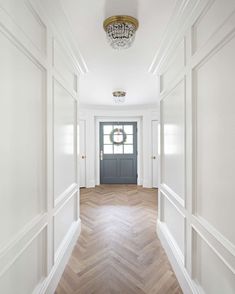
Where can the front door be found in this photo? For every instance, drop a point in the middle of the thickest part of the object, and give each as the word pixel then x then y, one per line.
pixel 118 153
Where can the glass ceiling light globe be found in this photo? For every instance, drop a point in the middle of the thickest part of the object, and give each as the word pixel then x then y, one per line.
pixel 120 31
pixel 119 97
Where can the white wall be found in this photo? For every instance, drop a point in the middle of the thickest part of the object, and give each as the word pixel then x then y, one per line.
pixel 39 198
pixel 143 116
pixel 196 66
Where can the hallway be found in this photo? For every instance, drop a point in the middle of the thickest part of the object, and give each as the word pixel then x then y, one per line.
pixel 118 251
pixel 117 161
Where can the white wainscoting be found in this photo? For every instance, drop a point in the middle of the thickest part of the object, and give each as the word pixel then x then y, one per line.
pixel 196 201
pixel 39 211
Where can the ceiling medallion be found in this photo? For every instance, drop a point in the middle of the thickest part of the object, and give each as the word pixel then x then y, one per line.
pixel 120 30
pixel 119 96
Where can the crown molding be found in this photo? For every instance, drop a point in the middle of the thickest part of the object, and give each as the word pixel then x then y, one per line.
pixel 184 13
pixel 57 19
pixel 153 107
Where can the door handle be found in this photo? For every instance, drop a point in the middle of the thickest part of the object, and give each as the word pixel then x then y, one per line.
pixel 101 154
pixel 83 156
pixel 153 157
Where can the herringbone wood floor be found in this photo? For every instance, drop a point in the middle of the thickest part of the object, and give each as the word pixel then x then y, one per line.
pixel 118 250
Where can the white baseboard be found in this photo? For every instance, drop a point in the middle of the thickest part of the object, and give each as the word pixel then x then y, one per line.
pixel 146 184
pixel 90 184
pixel 52 280
pixel 186 283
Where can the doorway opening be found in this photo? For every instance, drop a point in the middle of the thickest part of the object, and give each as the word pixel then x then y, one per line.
pixel 118 152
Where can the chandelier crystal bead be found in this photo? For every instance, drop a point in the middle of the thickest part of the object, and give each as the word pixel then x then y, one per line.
pixel 119 96
pixel 120 31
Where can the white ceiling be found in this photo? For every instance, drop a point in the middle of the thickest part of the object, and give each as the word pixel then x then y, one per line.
pixel 109 69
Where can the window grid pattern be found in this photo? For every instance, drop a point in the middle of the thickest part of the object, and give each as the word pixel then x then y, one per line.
pixel 111 148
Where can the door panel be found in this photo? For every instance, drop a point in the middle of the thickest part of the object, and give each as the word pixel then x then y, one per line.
pixel 118 162
pixel 110 168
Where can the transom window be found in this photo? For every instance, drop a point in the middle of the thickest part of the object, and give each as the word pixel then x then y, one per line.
pixel 118 139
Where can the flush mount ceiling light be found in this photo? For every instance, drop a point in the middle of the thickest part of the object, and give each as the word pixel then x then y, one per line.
pixel 119 96
pixel 120 30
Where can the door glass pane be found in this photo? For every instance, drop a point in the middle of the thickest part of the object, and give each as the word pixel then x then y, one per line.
pixel 128 129
pixel 107 139
pixel 108 149
pixel 128 149
pixel 108 129
pixel 118 127
pixel 129 139
pixel 118 149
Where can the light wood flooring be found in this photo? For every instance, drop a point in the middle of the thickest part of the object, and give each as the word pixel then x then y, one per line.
pixel 118 250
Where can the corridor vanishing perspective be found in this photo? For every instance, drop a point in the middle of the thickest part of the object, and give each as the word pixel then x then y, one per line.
pixel 118 250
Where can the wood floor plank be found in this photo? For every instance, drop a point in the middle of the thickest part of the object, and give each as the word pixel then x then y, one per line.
pixel 118 250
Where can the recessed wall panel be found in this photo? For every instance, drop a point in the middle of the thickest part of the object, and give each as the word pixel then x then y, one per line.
pixel 28 270
pixel 211 21
pixel 63 221
pixel 26 18
pixel 64 66
pixel 64 140
pixel 215 139
pixel 22 148
pixel 174 221
pixel 209 271
pixel 173 123
pixel 174 67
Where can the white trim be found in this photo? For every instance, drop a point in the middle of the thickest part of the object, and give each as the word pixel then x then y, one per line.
pixel 118 107
pixel 66 194
pixel 187 284
pixel 51 282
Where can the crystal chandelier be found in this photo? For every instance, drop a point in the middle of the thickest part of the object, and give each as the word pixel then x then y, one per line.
pixel 121 30
pixel 119 96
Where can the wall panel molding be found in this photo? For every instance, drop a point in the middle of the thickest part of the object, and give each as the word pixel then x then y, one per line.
pixel 26 38
pixel 208 28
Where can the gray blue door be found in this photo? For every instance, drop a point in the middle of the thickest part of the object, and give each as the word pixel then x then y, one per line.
pixel 118 153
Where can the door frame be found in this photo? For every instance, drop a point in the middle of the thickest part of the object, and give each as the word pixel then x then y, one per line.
pixel 79 155
pixel 152 163
pixel 138 120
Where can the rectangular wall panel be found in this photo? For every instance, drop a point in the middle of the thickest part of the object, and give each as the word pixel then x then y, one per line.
pixel 175 66
pixel 174 221
pixel 211 20
pixel 63 221
pixel 215 162
pixel 64 67
pixel 29 22
pixel 22 148
pixel 209 271
pixel 198 146
pixel 173 124
pixel 64 140
pixel 28 270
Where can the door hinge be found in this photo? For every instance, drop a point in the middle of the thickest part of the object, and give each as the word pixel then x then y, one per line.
pixel 137 176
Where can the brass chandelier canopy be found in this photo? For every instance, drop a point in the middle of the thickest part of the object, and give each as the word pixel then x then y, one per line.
pixel 120 30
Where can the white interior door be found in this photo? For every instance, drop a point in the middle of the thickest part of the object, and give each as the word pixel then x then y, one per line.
pixel 82 153
pixel 155 153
